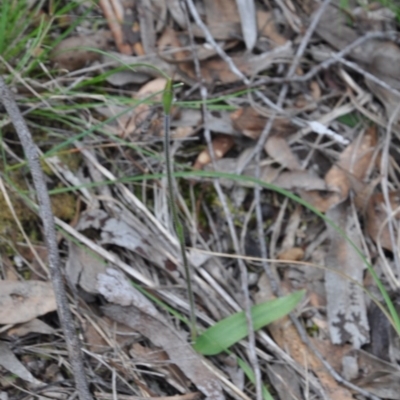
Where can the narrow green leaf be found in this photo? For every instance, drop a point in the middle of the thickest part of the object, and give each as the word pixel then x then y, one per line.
pixel 230 330
pixel 168 96
pixel 250 375
pixel 350 119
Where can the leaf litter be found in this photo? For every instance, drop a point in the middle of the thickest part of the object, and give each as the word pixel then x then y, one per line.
pixel 324 142
pixel 146 319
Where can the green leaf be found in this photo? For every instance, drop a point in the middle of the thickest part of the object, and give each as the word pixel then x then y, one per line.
pixel 350 119
pixel 231 330
pixel 250 375
pixel 168 96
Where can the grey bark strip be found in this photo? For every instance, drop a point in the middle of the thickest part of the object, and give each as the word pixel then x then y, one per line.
pixel 31 153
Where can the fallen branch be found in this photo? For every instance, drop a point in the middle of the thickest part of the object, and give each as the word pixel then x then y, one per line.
pixel 32 155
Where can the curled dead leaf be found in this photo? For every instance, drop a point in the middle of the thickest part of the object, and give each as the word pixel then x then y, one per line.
pixel 352 166
pixel 278 149
pixel 354 160
pixel 293 254
pixel 35 325
pixel 221 145
pixel 249 122
pixel 73 53
pixel 315 90
pixel 216 70
pixel 268 27
pixel 131 121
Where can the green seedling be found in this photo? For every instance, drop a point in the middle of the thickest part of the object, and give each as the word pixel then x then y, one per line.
pixel 231 330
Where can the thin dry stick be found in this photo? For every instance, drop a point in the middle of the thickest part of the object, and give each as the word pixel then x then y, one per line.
pixel 31 153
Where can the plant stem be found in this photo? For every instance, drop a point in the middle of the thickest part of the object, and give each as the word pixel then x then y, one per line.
pixel 178 227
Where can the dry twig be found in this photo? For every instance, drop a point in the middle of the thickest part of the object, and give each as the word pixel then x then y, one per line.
pixel 71 338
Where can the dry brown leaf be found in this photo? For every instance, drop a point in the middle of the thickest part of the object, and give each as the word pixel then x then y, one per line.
pixel 332 353
pixel 140 314
pixel 268 27
pixel 129 122
pixel 363 192
pixel 22 301
pixel 246 120
pixel 9 270
pixel 141 113
pixel 182 132
pixel 346 308
pixel 69 54
pixel 184 53
pixel 171 40
pixel 293 180
pixel 321 201
pixel 354 163
pixel 315 90
pixel 217 71
pixel 221 144
pixel 95 341
pixel 278 149
pixel 354 160
pixel 293 254
pixel 285 335
pixel 222 18
pixel 377 215
pixel 155 86
pixel 35 325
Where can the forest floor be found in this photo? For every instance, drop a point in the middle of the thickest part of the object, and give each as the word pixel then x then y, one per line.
pixel 285 139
